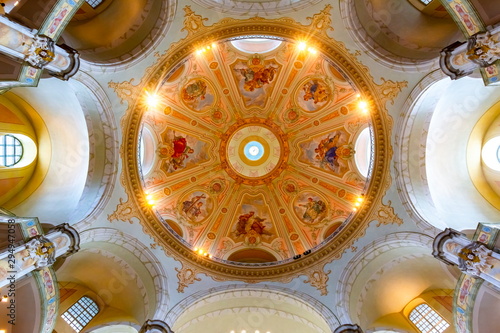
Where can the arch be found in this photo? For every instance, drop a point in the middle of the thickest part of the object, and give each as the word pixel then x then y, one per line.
pixel 57 194
pixel 271 297
pixel 251 255
pixel 27 297
pixel 103 147
pixel 376 29
pixel 414 194
pixel 428 158
pixel 80 158
pixel 111 327
pixel 256 45
pixel 22 121
pixel 141 253
pixel 378 257
pixel 483 155
pixel 131 32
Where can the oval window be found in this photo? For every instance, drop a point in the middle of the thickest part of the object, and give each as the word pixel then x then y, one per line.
pixel 363 149
pixel 256 45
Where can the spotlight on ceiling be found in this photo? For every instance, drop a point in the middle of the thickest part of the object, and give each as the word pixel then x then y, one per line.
pixel 297 256
pixel 307 252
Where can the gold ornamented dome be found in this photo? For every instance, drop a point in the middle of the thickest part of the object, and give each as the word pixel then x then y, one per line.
pixel 254 153
pixel 251 159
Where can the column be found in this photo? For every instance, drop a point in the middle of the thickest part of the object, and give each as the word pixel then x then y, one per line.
pixel 472 257
pixel 38 252
pixel 36 52
pixel 348 328
pixel 155 326
pixel 481 50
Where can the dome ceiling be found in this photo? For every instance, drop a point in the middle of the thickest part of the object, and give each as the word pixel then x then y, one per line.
pixel 248 156
pixel 256 149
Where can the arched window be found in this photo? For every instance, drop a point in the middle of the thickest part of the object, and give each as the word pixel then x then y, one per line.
pixel 256 45
pixel 80 313
pixel 94 3
pixel 16 150
pixel 11 150
pixel 427 320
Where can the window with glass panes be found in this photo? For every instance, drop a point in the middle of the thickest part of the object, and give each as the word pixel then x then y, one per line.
pixel 427 320
pixel 11 150
pixel 80 313
pixel 425 2
pixel 94 3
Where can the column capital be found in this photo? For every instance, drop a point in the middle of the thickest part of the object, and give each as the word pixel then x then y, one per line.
pixel 155 326
pixel 72 233
pixel 438 250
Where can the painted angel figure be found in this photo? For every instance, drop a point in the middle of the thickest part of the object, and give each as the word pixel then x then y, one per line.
pixel 326 152
pixel 313 209
pixel 181 152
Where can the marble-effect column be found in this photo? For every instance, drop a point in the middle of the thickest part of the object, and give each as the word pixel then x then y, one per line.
pixel 472 257
pixel 38 252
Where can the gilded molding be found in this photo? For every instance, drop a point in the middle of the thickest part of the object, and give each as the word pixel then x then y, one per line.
pixel 389 90
pixel 386 215
pixel 124 212
pixel 186 276
pixel 125 90
pixel 318 278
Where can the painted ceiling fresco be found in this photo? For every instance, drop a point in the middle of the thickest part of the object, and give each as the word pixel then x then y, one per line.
pixel 253 153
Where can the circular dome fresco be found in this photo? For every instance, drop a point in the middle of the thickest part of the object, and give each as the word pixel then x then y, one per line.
pixel 254 153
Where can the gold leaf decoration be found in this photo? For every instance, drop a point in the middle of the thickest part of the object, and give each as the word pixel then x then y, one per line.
pixel 386 215
pixel 124 212
pixel 125 90
pixel 318 278
pixel 186 276
pixel 389 90
pixel 192 21
pixel 322 21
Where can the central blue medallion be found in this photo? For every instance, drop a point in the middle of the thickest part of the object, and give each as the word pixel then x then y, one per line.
pixel 253 150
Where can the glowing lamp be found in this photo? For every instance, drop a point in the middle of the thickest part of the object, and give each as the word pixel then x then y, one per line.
pixel 152 100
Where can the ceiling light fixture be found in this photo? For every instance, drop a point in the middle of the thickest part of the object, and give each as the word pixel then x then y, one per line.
pixel 152 100
pixel 363 105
